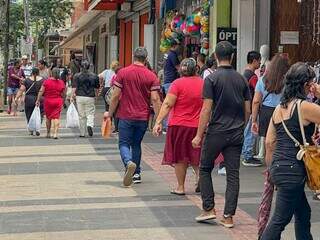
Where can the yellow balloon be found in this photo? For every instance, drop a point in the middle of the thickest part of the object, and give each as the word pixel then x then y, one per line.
pixel 167 33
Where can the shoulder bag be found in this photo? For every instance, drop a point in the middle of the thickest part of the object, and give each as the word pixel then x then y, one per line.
pixel 309 154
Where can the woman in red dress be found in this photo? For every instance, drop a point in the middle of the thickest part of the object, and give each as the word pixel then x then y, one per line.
pixel 53 91
pixel 183 104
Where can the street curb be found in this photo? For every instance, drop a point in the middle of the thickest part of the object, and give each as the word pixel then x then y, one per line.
pixel 245 226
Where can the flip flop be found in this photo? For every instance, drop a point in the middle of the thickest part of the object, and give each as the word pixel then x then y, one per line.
pixel 177 193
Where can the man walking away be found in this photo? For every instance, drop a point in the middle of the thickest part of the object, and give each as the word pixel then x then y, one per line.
pixel 171 66
pixel 254 61
pixel 227 100
pixel 138 88
pixel 171 71
pixel 84 87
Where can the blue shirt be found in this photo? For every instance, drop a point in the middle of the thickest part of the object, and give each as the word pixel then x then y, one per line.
pixel 272 100
pixel 170 70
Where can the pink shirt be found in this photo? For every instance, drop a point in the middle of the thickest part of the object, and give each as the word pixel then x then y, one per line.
pixel 186 111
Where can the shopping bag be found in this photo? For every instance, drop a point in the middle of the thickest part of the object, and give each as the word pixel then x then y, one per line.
pixel 35 120
pixel 106 128
pixel 72 117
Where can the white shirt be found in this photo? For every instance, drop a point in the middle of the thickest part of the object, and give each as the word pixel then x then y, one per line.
pixel 107 76
pixel 207 72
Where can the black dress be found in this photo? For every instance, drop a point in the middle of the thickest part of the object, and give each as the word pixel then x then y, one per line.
pixel 32 90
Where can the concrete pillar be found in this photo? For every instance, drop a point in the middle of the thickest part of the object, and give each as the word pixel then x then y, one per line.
pixel 246 31
pixel 263 22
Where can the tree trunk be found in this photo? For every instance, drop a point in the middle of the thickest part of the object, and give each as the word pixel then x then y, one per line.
pixel 6 49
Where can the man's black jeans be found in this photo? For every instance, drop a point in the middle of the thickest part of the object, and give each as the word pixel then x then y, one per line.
pixel 230 145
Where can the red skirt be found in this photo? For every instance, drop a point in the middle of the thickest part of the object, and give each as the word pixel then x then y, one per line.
pixel 178 148
pixel 53 107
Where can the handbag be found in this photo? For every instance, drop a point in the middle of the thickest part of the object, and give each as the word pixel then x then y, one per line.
pixel 309 154
pixel 108 95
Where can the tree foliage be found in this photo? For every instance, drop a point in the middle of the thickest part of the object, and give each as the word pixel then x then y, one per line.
pixel 45 16
pixel 49 15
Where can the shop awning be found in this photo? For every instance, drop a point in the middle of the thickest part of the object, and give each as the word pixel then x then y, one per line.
pixel 83 23
pixel 104 4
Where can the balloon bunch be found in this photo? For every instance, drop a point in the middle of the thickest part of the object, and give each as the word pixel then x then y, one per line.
pixel 177 26
pixel 172 32
pixel 192 25
pixel 204 21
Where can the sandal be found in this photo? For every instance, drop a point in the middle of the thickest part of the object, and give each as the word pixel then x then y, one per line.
pixel 177 193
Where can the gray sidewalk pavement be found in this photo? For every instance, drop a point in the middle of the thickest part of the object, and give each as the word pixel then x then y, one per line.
pixel 71 189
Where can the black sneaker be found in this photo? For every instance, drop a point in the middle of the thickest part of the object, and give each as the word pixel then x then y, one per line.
pixel 37 133
pixel 90 131
pixel 136 179
pixel 251 162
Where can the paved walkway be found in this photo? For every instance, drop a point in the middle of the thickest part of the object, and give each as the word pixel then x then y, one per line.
pixel 71 189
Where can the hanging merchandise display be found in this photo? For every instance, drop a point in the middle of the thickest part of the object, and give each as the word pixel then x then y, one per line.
pixel 316 22
pixel 178 28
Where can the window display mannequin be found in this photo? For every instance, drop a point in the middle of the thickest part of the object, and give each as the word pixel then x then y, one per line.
pixel 265 55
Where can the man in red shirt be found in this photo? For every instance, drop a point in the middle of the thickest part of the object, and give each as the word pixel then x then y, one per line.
pixel 138 88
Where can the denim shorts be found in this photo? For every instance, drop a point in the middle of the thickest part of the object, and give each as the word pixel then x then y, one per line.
pixel 12 91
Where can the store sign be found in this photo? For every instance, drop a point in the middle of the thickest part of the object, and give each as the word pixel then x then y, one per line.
pixel 289 37
pixel 227 34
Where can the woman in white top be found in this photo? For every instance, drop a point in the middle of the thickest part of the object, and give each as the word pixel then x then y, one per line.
pixel 105 79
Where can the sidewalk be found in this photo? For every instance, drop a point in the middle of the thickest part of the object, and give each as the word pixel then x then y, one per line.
pixel 71 189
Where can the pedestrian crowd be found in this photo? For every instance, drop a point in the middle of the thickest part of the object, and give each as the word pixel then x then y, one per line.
pixel 211 115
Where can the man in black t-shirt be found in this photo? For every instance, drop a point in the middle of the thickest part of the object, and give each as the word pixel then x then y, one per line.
pixel 226 109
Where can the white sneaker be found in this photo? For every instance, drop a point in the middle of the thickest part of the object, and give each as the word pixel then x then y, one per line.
pixel 258 157
pixel 222 171
pixel 136 178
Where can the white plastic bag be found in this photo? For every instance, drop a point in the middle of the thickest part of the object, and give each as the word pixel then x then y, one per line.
pixel 35 120
pixel 72 117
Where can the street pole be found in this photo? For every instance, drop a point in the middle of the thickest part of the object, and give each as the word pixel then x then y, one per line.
pixel 6 50
pixel 26 20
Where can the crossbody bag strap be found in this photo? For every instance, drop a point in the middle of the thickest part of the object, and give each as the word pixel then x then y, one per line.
pixel 30 87
pixel 297 143
pixel 305 143
pixel 265 97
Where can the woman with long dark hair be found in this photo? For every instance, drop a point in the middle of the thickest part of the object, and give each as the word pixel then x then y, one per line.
pixel 31 86
pixel 287 172
pixel 267 95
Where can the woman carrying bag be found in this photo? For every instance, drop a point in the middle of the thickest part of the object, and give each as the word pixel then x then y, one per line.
pixel 31 86
pixel 53 92
pixel 287 153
